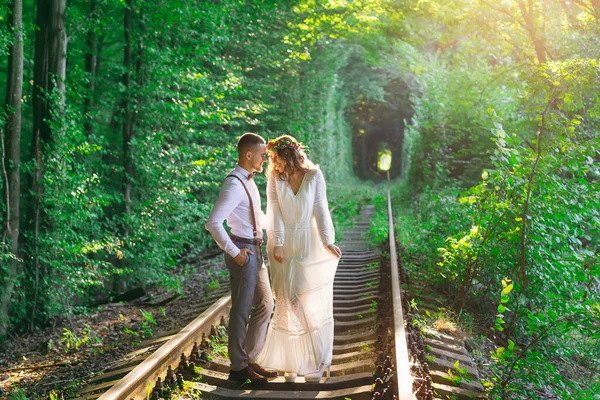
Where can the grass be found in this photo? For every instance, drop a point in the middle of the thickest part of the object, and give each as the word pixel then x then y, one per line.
pixel 17 394
pixel 365 347
pixel 373 308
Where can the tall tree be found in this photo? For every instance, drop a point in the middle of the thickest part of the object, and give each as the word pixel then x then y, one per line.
pixel 49 74
pixel 127 130
pixel 50 63
pixel 528 14
pixel 11 156
pixel 91 61
pixel 133 82
pixel 127 120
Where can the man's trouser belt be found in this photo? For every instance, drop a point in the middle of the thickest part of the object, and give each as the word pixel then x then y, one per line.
pixel 256 242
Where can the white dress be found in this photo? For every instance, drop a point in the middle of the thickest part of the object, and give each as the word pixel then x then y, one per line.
pixel 300 335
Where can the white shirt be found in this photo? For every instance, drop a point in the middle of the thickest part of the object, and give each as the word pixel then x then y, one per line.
pixel 233 206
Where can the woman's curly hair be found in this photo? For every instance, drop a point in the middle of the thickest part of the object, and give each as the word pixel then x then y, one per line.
pixel 289 149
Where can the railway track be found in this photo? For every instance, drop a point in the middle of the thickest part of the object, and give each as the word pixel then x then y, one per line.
pixel 360 368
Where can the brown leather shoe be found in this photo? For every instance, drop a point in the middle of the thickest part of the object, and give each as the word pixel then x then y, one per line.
pixel 264 372
pixel 246 374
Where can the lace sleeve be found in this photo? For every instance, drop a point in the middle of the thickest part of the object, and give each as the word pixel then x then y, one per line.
pixel 275 227
pixel 321 211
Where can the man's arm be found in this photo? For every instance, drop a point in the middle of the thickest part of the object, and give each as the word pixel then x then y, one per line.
pixel 229 198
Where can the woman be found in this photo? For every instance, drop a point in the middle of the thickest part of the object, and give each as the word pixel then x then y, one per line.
pixel 303 262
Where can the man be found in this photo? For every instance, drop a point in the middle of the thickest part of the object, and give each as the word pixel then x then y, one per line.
pixel 251 296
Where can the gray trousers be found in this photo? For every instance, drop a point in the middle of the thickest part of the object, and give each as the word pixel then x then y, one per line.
pixel 251 307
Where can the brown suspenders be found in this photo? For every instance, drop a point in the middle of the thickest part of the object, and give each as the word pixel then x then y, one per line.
pixel 251 204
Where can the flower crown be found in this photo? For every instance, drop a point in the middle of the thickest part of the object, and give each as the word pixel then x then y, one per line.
pixel 284 143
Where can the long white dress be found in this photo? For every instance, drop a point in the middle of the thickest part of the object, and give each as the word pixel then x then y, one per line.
pixel 300 335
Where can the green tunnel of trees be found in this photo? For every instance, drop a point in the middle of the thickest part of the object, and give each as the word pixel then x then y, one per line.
pixel 120 120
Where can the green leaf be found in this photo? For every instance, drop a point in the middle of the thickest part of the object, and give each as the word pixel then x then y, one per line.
pixel 511 345
pixel 507 289
pixel 499 323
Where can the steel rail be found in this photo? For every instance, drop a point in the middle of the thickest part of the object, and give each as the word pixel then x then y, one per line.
pixel 138 382
pixel 404 381
pixel 134 384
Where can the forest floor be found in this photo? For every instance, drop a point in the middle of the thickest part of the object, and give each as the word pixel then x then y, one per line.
pixel 63 356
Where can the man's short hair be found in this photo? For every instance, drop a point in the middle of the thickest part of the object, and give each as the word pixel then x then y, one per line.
pixel 247 141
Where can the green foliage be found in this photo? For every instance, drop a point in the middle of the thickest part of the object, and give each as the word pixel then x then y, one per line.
pixel 147 323
pixel 502 181
pixel 131 332
pixel 6 38
pixel 219 348
pixel 87 336
pixel 499 163
pixel 507 287
pixel 17 394
pixel 371 266
pixel 365 347
pixel 531 216
pixel 429 359
pixel 216 277
pixel 218 342
pixel 373 307
pixel 347 200
pixel 379 227
pixel 199 78
pixel 458 375
pixel 214 284
pixel 148 317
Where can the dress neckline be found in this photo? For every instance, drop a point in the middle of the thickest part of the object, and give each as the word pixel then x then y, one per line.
pixel 299 188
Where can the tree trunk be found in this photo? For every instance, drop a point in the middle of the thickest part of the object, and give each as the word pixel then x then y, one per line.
pixel 596 9
pixel 127 115
pixel 50 62
pixel 571 13
pixel 528 14
pixel 12 156
pixel 90 69
pixel 58 48
pixel 119 282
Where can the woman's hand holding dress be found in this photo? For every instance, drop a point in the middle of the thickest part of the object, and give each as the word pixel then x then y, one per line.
pixel 335 250
pixel 278 253
pixel 323 217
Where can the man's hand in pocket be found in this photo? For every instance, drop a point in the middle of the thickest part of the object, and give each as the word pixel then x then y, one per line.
pixel 241 258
